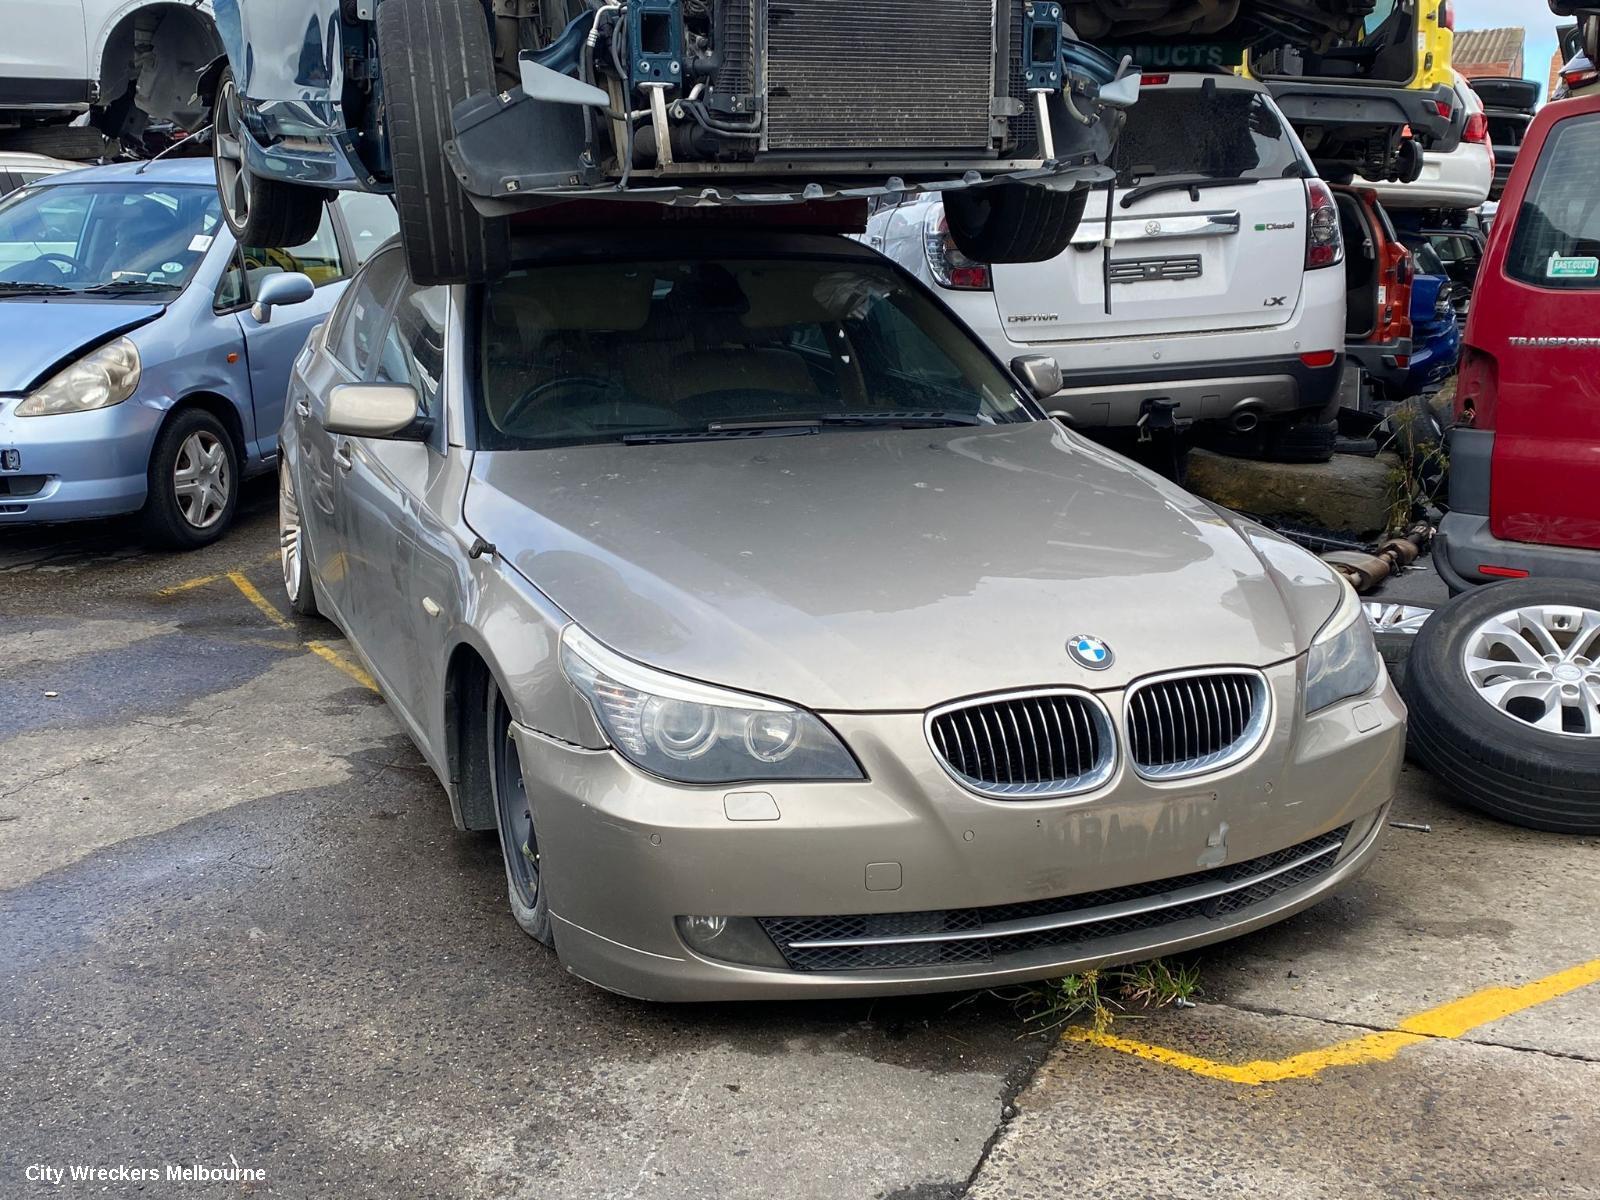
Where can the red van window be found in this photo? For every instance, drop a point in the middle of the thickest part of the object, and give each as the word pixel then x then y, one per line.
pixel 1557 243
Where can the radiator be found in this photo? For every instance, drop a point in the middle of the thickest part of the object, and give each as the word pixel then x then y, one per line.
pixel 879 74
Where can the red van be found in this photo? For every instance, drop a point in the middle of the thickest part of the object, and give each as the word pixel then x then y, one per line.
pixel 1525 455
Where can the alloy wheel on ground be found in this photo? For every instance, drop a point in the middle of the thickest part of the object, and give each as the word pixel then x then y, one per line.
pixel 519 840
pixel 1540 664
pixel 290 541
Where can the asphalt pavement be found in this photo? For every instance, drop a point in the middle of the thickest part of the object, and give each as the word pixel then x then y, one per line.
pixel 238 931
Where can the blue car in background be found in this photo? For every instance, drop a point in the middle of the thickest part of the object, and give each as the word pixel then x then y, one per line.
pixel 1435 324
pixel 144 354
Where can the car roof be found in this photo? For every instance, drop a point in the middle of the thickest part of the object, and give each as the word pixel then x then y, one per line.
pixel 171 170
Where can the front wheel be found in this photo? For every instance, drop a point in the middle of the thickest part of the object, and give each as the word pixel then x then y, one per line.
pixel 1014 222
pixel 519 841
pixel 194 482
pixel 259 212
pixel 433 54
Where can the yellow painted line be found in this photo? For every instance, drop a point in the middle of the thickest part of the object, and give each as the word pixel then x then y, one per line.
pixel 248 590
pixel 1447 1021
pixel 329 654
pixel 321 649
pixel 189 585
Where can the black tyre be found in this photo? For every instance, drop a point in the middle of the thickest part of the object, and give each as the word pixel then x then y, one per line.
pixel 519 842
pixel 1409 161
pixel 1516 734
pixel 1013 222
pixel 294 551
pixel 194 482
pixel 260 212
pixel 74 143
pixel 434 54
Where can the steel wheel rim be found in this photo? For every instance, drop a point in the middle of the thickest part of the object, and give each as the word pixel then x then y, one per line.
pixel 1538 665
pixel 289 537
pixel 1396 618
pixel 201 479
pixel 521 843
pixel 227 150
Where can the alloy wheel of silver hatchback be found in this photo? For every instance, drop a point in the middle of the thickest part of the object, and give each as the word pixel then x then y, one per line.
pixel 227 149
pixel 202 480
pixel 1538 665
pixel 290 540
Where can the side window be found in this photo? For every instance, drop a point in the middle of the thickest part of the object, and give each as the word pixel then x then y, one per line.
pixel 358 324
pixel 318 259
pixel 371 221
pixel 413 346
pixel 1557 243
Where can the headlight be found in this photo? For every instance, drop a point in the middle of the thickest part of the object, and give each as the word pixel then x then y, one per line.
pixel 1344 658
pixel 107 376
pixel 694 733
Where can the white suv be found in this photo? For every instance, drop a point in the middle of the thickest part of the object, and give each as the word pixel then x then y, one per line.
pixel 1218 290
pixel 125 61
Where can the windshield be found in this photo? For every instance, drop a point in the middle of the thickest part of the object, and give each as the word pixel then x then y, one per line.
pixel 107 239
pixel 579 354
pixel 1220 133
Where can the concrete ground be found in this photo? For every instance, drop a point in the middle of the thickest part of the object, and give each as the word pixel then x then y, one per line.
pixel 237 928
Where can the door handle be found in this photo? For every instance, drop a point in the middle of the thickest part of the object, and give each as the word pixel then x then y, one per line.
pixel 342 456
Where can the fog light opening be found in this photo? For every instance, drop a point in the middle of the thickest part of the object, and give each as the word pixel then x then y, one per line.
pixel 730 939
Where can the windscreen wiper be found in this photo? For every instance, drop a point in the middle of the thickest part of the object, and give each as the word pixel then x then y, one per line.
pixel 1191 184
pixel 726 432
pixel 130 287
pixel 910 419
pixel 34 289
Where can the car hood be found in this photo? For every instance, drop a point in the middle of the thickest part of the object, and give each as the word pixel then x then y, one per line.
pixel 893 570
pixel 38 336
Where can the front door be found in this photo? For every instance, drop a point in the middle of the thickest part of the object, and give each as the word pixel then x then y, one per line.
pixel 271 348
pixel 327 460
pixel 1546 469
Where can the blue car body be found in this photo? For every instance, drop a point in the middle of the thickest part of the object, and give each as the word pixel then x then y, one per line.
pixel 196 348
pixel 1435 336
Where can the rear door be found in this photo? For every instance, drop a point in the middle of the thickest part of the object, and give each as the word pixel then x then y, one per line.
pixel 1226 253
pixel 44 57
pixel 1546 272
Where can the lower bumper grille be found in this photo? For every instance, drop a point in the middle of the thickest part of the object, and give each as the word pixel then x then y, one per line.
pixel 880 74
pixel 960 937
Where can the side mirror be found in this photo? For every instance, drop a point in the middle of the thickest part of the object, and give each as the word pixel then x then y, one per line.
pixel 385 411
pixel 281 291
pixel 1040 372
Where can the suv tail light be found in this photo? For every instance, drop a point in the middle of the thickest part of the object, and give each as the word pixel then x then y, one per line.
pixel 950 267
pixel 1447 15
pixel 1324 242
pixel 1477 130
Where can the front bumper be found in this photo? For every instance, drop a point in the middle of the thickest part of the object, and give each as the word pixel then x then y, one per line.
pixel 624 854
pixel 77 466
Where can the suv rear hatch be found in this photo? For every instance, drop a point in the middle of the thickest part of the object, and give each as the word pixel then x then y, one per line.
pixel 1208 225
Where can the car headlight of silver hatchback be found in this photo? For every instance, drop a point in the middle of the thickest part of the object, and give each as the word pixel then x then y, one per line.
pixel 692 732
pixel 1344 660
pixel 99 379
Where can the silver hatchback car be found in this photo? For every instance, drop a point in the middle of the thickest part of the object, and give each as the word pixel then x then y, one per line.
pixel 792 650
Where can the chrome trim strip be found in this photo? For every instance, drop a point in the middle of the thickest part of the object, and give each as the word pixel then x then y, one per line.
pixel 1086 916
pixel 1103 770
pixel 1157 227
